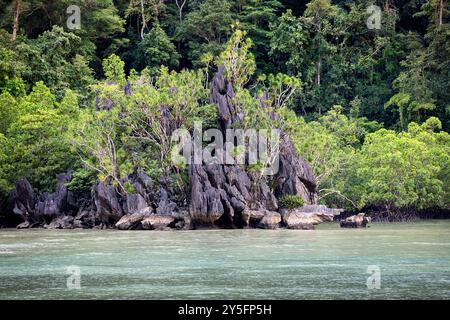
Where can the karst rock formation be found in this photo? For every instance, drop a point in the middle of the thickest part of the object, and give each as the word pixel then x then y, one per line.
pixel 218 195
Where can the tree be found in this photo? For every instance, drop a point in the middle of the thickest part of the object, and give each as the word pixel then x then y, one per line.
pixel 135 130
pixel 149 11
pixel 435 10
pixel 256 16
pixel 157 109
pixel 156 49
pixel 237 60
pixel 11 70
pixel 4 185
pixel 311 51
pixel 100 21
pixel 399 171
pixel 180 5
pixel 113 68
pixel 205 28
pixel 97 139
pixel 54 59
pixel 36 144
pixel 330 145
pixel 8 111
pixel 17 5
pixel 288 40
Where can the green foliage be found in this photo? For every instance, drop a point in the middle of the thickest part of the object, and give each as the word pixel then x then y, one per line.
pixel 401 170
pixel 330 146
pixel 53 58
pixel 36 141
pixel 317 59
pixel 156 50
pixel 53 53
pixel 113 68
pixel 206 27
pixel 4 183
pixel 291 201
pixel 147 11
pixel 288 39
pixel 11 69
pixel 8 111
pixel 174 99
pixel 97 137
pixel 128 187
pixel 237 60
pixel 82 181
pixel 390 171
pixel 100 21
pixel 69 104
pixel 135 130
pixel 256 17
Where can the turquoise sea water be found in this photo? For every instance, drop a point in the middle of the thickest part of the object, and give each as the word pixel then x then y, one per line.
pixel 328 263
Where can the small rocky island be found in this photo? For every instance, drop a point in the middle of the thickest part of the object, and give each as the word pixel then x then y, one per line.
pixel 218 196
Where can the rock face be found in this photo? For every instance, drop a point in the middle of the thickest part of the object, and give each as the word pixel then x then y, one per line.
pixel 109 210
pixel 54 205
pixel 85 219
pixel 226 196
pixel 356 221
pixel 21 203
pixel 135 203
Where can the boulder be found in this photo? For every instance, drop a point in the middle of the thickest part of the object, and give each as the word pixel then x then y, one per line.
pixel 208 201
pixel 271 220
pixel 65 222
pixel 294 176
pixel 251 218
pixel 157 222
pixel 356 221
pixel 24 225
pixel 297 219
pixel 132 221
pixel 182 220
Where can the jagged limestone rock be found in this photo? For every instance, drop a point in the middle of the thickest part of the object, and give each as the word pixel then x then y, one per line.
pixel 222 194
pixel 106 201
pixel 218 195
pixel 356 221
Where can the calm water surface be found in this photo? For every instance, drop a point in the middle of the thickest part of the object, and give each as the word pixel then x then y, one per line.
pixel 328 263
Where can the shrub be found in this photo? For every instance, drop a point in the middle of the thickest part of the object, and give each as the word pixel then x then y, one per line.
pixel 289 201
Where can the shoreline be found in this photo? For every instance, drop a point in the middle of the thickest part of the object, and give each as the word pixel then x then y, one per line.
pixel 318 228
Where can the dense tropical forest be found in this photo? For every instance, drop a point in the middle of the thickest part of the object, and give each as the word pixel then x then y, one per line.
pixel 368 108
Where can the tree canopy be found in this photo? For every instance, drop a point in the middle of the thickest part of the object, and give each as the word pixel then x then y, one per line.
pixel 368 108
